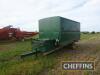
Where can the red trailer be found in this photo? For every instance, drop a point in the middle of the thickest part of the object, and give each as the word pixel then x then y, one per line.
pixel 6 33
pixel 9 32
pixel 24 34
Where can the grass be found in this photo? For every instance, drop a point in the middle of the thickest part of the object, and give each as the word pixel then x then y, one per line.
pixel 11 64
pixel 13 49
pixel 26 66
pixel 90 36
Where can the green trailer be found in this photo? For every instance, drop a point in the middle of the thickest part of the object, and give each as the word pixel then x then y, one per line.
pixel 54 33
pixel 57 31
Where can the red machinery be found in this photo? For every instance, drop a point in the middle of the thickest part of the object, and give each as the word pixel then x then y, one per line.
pixel 9 32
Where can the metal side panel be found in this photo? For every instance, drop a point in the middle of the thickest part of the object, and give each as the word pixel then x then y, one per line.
pixel 69 25
pixel 49 28
pixel 69 37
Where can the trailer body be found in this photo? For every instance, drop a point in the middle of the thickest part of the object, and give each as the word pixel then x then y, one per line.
pixel 57 31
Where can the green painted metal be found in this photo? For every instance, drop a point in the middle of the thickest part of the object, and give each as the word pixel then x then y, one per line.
pixel 43 45
pixel 70 31
pixel 49 28
pixel 56 30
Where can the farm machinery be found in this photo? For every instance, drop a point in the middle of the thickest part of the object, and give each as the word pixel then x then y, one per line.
pixel 54 33
pixel 9 32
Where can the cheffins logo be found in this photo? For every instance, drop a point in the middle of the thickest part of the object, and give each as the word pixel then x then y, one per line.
pixel 78 65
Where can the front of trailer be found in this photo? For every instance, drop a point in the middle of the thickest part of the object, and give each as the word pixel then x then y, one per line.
pixel 49 31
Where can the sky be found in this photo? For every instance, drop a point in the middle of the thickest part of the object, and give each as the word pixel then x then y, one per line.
pixel 25 14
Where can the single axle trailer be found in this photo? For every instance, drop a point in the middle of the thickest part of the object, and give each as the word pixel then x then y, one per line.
pixel 55 33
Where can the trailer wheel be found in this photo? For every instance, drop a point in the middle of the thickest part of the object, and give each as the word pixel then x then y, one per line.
pixel 56 42
pixel 20 39
pixel 23 39
pixel 71 45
